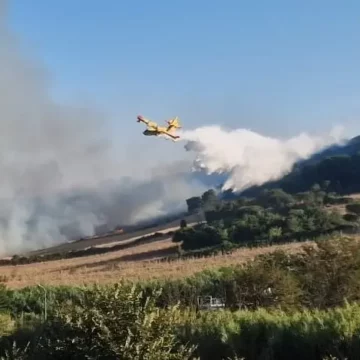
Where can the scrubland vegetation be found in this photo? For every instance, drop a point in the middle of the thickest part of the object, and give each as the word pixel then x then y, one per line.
pixel 273 217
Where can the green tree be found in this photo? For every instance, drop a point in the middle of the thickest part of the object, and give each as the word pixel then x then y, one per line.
pixel 295 221
pixel 200 237
pixel 210 200
pixel 329 272
pixel 275 233
pixel 263 285
pixel 245 230
pixel 275 198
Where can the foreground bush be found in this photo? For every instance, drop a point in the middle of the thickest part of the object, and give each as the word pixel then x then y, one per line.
pixel 119 322
pixel 105 329
pixel 115 322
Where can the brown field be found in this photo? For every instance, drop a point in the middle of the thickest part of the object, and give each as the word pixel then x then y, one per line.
pixel 342 208
pixel 137 263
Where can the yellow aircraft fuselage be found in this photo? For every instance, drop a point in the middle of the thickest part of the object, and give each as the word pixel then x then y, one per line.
pixel 153 129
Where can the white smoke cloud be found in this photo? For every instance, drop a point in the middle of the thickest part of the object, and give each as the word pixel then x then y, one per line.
pixel 250 158
pixel 60 175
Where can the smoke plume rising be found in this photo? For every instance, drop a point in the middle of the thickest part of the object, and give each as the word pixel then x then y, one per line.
pixel 249 158
pixel 56 162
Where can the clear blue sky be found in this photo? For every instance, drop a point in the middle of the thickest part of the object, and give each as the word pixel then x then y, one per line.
pixel 278 67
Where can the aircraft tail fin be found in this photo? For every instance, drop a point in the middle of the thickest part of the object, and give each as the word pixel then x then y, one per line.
pixel 174 124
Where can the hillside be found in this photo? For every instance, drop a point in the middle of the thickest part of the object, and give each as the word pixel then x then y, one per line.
pixel 337 164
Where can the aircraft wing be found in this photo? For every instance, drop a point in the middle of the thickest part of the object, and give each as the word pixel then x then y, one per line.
pixel 173 136
pixel 151 125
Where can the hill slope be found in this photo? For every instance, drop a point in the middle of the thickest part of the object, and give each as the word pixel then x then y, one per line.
pixel 338 164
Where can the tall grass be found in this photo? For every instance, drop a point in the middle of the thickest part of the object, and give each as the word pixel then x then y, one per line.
pixel 105 318
pixel 7 324
pixel 264 334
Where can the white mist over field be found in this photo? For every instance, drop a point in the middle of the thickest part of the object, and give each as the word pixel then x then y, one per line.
pixel 248 157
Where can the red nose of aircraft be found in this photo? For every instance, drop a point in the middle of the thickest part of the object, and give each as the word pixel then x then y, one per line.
pixel 139 118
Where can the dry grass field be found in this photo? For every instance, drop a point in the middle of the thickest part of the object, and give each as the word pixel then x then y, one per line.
pixel 138 263
pixel 342 208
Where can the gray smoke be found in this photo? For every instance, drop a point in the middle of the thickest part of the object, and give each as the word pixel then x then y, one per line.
pixel 59 175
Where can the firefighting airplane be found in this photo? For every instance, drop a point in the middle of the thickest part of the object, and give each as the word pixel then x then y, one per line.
pixel 153 129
